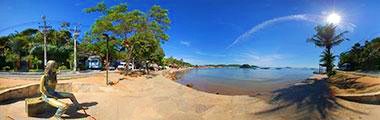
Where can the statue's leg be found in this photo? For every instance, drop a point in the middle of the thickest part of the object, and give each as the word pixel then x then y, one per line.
pixel 70 96
pixel 62 107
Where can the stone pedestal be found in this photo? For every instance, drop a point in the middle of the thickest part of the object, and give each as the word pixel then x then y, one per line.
pixel 35 107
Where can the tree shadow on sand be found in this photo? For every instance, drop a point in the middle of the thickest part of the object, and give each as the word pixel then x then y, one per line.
pixel 71 113
pixel 306 101
pixel 350 82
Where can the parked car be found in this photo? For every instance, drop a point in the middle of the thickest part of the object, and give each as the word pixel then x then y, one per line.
pixel 154 67
pixel 121 66
pixel 94 62
pixel 111 68
pixel 346 67
pixel 130 66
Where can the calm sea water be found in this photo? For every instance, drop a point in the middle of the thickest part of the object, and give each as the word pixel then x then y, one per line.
pixel 238 81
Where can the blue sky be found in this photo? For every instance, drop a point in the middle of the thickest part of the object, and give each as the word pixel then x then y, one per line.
pixel 202 31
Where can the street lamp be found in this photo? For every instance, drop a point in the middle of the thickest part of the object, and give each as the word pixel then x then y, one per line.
pixel 107 62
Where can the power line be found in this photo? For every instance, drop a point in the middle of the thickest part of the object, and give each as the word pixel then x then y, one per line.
pixel 17 25
pixel 31 23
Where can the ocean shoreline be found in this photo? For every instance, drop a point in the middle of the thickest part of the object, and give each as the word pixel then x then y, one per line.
pixel 220 89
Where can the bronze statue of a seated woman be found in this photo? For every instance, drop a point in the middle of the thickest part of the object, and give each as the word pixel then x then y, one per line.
pixel 47 88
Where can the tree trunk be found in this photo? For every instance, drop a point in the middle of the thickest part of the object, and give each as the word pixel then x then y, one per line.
pixel 29 64
pixel 132 61
pixel 147 67
pixel 18 64
pixel 329 62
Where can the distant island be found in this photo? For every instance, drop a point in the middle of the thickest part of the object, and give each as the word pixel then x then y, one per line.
pixel 248 66
pixel 226 66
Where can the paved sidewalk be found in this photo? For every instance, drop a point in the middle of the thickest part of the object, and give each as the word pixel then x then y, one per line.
pixel 37 75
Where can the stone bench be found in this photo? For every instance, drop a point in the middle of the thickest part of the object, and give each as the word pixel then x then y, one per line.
pixel 29 91
pixel 36 106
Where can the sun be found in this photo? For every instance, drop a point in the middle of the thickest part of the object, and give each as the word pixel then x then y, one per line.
pixel 333 18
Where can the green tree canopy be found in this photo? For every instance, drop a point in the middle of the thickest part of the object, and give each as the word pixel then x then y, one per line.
pixel 140 33
pixel 362 57
pixel 27 46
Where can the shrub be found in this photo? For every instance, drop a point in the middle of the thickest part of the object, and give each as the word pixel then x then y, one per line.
pixel 62 67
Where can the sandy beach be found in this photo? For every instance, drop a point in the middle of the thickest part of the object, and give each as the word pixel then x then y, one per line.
pixel 156 97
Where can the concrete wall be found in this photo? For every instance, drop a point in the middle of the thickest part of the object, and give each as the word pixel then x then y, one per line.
pixel 30 90
pixel 368 98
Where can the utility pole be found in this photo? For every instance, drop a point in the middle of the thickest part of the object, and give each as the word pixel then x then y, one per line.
pixel 107 61
pixel 45 30
pixel 76 35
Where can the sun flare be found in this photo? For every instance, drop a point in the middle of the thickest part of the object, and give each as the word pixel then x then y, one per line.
pixel 333 18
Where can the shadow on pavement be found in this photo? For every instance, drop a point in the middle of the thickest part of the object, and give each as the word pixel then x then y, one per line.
pixel 306 101
pixel 71 113
pixel 11 101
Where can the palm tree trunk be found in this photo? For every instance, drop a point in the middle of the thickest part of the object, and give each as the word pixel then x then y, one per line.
pixel 18 64
pixel 30 64
pixel 329 62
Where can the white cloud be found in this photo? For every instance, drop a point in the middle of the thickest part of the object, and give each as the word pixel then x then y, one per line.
pixel 254 29
pixel 344 25
pixel 185 43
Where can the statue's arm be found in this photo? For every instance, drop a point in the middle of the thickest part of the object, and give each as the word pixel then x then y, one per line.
pixel 43 87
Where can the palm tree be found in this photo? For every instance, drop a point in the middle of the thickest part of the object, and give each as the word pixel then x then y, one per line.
pixel 326 37
pixel 11 58
pixel 17 49
pixel 36 62
pixel 3 44
pixel 28 59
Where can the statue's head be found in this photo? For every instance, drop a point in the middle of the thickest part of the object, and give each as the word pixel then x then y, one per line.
pixel 51 67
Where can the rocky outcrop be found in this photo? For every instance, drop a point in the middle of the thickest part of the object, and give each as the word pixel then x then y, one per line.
pixel 174 74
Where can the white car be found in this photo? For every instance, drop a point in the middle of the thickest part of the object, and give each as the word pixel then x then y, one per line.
pixel 121 66
pixel 111 68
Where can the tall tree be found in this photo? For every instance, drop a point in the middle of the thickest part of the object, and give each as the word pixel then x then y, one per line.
pixel 327 37
pixel 141 34
pixel 17 49
pixel 362 57
pixel 24 46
